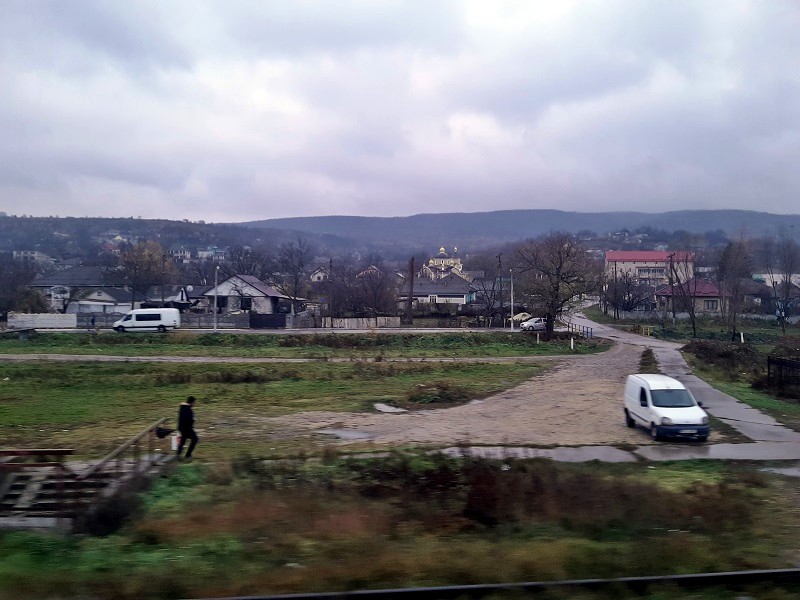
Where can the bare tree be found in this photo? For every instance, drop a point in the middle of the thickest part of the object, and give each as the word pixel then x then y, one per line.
pixel 291 277
pixel 143 264
pixel 487 288
pixel 376 290
pixel 684 286
pixel 201 271
pixel 341 287
pixel 767 256
pixel 734 265
pixel 14 277
pixel 788 262
pixel 556 270
pixel 626 293
pixel 246 260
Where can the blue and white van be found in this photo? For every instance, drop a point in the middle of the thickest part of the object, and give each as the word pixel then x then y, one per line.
pixel 149 319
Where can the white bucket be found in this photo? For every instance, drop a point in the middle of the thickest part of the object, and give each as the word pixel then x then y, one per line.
pixel 176 441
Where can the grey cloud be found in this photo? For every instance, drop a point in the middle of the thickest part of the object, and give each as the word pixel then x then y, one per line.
pixel 243 111
pixel 74 36
pixel 300 28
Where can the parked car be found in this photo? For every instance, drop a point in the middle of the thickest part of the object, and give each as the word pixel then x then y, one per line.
pixel 664 407
pixel 535 324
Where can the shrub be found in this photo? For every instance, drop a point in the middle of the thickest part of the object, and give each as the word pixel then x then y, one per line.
pixel 437 392
pixel 648 362
pixel 733 359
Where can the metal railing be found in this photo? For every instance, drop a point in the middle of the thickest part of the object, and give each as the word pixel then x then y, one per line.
pixel 619 585
pixel 581 330
pixel 132 446
pixel 40 458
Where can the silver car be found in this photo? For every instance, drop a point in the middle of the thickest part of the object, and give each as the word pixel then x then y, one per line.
pixel 535 324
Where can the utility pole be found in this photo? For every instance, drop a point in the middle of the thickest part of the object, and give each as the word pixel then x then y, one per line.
pixel 410 300
pixel 616 291
pixel 512 299
pixel 330 290
pixel 163 276
pixel 500 293
pixel 216 272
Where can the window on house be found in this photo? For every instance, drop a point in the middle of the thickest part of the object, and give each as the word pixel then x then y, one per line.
pixel 247 303
pixel 711 304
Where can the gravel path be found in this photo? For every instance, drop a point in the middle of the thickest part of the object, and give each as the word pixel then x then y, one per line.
pixel 577 402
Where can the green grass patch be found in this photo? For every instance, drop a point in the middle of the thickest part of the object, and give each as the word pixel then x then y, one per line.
pixel 318 345
pixel 732 372
pixel 93 406
pixel 756 331
pixel 249 527
pixel 648 362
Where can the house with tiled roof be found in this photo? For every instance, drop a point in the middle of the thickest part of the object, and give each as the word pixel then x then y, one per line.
pixel 104 300
pixel 62 287
pixel 648 267
pixel 245 293
pixel 705 295
pixel 451 289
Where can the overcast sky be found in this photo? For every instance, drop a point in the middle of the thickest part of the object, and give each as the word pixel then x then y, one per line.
pixel 236 111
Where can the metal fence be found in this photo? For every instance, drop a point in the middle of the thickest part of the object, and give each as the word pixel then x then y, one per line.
pixel 273 321
pixel 783 372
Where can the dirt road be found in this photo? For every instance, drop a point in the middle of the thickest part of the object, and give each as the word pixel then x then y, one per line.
pixel 579 401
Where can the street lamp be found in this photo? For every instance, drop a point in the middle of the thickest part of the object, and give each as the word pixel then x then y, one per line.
pixel 216 272
pixel 512 298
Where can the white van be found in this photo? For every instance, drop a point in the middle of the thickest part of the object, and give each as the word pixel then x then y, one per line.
pixel 665 407
pixel 149 319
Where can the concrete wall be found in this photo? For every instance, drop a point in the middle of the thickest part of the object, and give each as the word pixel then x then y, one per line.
pixel 367 323
pixel 41 321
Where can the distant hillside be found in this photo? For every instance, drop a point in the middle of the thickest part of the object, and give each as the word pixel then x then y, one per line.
pixel 392 237
pixel 85 236
pixel 476 230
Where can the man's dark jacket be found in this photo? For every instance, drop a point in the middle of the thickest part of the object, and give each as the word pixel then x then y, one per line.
pixel 185 417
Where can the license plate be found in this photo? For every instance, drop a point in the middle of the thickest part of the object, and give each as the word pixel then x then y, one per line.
pixel 688 431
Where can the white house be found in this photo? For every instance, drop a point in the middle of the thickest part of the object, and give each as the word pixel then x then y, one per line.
pixel 104 300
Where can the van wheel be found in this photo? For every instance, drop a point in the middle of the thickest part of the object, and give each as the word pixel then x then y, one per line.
pixel 121 329
pixel 628 420
pixel 702 438
pixel 654 433
pixel 162 329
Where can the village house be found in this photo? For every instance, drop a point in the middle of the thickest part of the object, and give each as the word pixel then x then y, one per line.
pixel 32 257
pixel 212 253
pixel 319 274
pixel 451 289
pixel 245 293
pixel 63 286
pixel 104 300
pixel 648 267
pixel 704 295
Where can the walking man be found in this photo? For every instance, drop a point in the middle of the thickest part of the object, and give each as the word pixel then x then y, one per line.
pixel 186 426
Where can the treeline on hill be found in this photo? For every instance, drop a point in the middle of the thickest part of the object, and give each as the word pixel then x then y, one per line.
pixel 88 237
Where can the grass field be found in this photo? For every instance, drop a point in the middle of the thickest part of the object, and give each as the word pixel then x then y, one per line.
pixel 248 527
pixel 784 410
pixel 322 345
pixel 92 406
pixel 755 331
